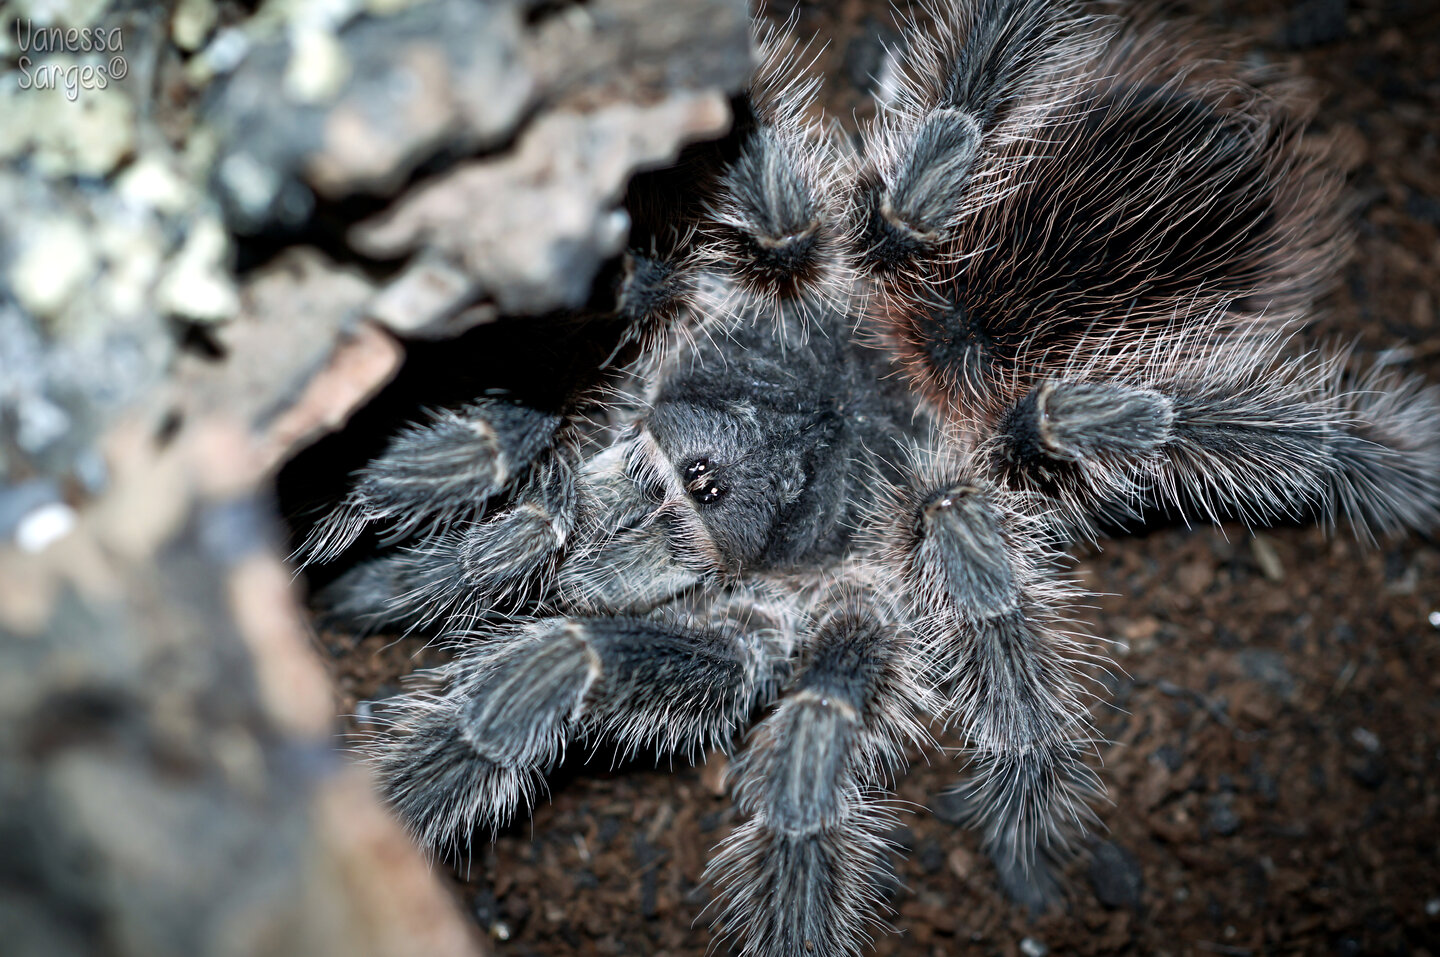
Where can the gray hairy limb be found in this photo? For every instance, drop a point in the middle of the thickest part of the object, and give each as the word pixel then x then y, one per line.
pixel 474 754
pixel 978 571
pixel 1162 203
pixel 1261 442
pixel 487 567
pixel 774 236
pixel 800 876
pixel 654 291
pixel 434 473
pixel 965 93
pixel 1386 478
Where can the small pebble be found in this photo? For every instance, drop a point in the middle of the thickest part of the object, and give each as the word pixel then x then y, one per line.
pixel 962 863
pixel 712 775
pixel 1432 907
pixel 1223 820
pixel 1367 739
pixel 1435 619
pixel 1269 668
pixel 486 909
pixel 1116 876
pixel 1031 947
pixel 44 526
pixel 931 857
pixel 1263 783
pixel 1263 548
pixel 1370 771
pixel 1170 756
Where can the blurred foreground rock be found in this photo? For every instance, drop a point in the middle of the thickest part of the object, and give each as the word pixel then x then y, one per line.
pixel 169 781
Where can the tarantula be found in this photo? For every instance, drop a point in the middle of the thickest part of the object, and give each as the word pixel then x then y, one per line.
pixel 863 397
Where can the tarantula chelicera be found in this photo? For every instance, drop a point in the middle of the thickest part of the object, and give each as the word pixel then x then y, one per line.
pixel 863 397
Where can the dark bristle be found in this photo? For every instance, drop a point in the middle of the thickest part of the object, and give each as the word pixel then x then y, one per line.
pixel 785 265
pixel 651 287
pixel 881 243
pixel 950 343
pixel 1020 429
pixel 1004 44
pixel 1023 458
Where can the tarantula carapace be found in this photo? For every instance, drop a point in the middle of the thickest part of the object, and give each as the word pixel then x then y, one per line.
pixel 863 396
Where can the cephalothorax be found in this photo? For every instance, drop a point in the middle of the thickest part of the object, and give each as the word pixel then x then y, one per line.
pixel 861 400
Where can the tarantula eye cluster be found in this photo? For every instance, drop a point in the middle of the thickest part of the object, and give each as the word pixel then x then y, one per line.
pixel 701 483
pixel 1051 289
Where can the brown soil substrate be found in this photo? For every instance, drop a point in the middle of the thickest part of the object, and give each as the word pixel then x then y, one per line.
pixel 1274 755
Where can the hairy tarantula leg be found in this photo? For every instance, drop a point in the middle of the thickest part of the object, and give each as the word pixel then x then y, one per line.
pixel 436 473
pixel 994 67
pixel 474 755
pixel 977 570
pixel 1173 197
pixel 772 236
pixel 461 573
pixel 652 294
pixel 799 877
pixel 1387 477
pixel 1289 440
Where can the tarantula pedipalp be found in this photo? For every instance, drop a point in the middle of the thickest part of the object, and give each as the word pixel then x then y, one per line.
pixel 865 401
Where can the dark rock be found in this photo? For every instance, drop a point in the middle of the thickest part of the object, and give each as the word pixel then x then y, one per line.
pixel 1262 782
pixel 950 807
pixel 1422 207
pixel 903 838
pixel 1348 946
pixel 1313 23
pixel 931 857
pixel 1369 770
pixel 1116 877
pixel 1269 668
pixel 609 827
pixel 865 54
pixel 1170 756
pixel 486 908
pixel 1223 819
